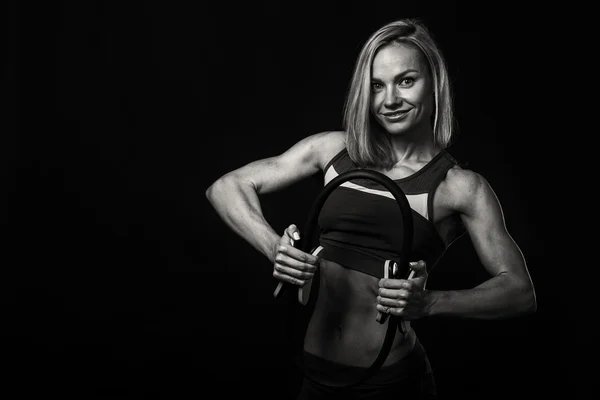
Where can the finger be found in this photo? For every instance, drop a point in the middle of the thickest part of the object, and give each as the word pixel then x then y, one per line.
pixel 286 241
pixel 293 232
pixel 289 279
pixel 299 255
pixel 390 310
pixel 284 260
pixel 395 283
pixel 293 271
pixel 386 301
pixel 420 268
pixel 395 294
pixel 384 309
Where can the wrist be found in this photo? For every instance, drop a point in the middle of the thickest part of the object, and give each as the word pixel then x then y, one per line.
pixel 432 302
pixel 270 246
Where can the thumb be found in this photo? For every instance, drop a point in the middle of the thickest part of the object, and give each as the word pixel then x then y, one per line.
pixel 419 273
pixel 419 269
pixel 292 233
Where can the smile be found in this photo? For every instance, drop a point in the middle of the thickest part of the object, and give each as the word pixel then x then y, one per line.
pixel 395 116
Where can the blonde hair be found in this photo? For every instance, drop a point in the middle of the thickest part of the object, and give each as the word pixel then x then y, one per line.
pixel 365 147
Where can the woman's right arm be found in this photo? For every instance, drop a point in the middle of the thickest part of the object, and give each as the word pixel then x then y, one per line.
pixel 235 195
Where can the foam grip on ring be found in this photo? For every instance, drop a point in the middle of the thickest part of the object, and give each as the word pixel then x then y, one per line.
pixel 390 268
pixel 304 291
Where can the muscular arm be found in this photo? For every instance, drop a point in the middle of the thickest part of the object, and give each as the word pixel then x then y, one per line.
pixel 235 196
pixel 509 291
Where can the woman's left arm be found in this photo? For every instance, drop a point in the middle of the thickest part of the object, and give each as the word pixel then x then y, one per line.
pixel 509 291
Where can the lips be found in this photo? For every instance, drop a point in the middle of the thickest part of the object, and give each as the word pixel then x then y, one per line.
pixel 388 114
pixel 396 115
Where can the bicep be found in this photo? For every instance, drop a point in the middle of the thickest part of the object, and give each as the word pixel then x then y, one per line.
pixel 483 218
pixel 303 159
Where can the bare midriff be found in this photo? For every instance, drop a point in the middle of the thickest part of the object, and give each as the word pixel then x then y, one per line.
pixel 343 327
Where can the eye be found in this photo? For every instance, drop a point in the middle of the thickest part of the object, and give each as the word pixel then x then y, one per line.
pixel 407 81
pixel 377 86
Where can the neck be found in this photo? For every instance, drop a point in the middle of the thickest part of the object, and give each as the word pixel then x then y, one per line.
pixel 414 146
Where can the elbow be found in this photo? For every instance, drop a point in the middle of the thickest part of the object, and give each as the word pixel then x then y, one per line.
pixel 222 189
pixel 528 303
pixel 218 186
pixel 532 301
pixel 519 295
pixel 210 192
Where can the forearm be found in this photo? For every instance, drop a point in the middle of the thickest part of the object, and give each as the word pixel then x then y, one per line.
pixel 498 297
pixel 239 207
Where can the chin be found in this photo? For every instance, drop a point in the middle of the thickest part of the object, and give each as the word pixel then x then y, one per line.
pixel 395 129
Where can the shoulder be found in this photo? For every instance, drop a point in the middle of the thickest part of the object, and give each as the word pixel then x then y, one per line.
pixel 464 188
pixel 334 139
pixel 459 178
pixel 325 145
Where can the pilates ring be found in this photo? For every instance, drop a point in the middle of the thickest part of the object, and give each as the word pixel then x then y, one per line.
pixel 400 271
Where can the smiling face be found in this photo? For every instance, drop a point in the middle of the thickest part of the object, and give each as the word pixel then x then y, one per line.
pixel 401 89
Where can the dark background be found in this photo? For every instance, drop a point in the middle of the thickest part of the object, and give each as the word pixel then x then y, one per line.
pixel 119 280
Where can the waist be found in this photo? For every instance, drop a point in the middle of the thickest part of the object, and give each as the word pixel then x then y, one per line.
pixel 401 363
pixel 367 262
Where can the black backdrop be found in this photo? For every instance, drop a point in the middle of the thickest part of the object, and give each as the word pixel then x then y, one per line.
pixel 119 279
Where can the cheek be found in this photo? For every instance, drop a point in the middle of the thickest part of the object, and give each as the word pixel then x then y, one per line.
pixel 424 98
pixel 374 104
pixel 377 99
pixel 429 104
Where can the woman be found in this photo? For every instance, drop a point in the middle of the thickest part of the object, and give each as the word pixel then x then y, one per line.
pixel 398 121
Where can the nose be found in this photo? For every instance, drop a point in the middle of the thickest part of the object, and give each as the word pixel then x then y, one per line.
pixel 392 98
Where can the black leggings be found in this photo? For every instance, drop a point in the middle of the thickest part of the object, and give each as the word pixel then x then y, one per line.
pixel 409 378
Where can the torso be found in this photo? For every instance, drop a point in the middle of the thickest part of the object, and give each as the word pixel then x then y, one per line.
pixel 343 327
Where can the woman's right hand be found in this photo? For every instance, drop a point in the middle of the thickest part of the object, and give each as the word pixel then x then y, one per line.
pixel 293 265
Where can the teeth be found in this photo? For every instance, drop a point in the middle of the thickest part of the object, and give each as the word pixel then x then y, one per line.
pixel 394 115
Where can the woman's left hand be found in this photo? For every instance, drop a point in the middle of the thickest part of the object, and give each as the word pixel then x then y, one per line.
pixel 406 298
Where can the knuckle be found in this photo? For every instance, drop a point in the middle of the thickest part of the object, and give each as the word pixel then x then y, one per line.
pixel 293 273
pixel 307 275
pixel 310 267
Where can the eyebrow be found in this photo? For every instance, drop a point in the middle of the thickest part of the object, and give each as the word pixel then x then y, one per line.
pixel 400 75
